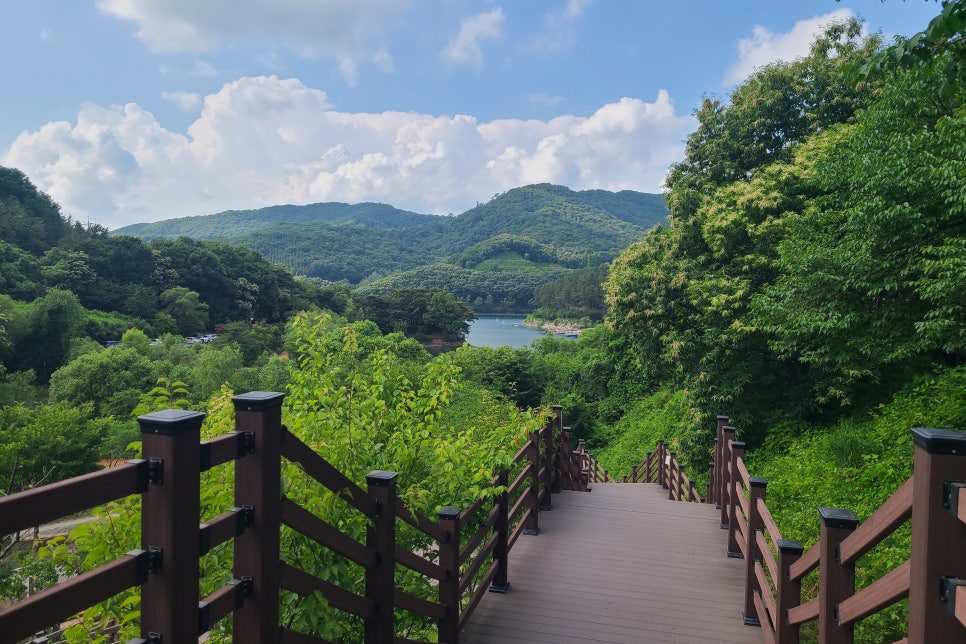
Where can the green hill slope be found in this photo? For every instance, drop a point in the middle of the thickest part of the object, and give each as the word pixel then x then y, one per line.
pixel 494 253
pixel 236 222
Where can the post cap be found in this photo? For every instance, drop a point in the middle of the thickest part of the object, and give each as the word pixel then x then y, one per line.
pixel 838 518
pixel 728 428
pixel 381 478
pixel 738 445
pixel 449 514
pixel 724 419
pixel 258 400
pixel 757 482
pixel 169 422
pixel 789 547
pixel 940 441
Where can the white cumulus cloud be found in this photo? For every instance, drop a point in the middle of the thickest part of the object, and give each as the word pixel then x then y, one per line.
pixel 262 140
pixel 184 101
pixel 466 47
pixel 347 31
pixel 765 46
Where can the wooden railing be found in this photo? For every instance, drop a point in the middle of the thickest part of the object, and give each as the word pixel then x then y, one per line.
pixel 661 466
pixel 933 578
pixel 467 555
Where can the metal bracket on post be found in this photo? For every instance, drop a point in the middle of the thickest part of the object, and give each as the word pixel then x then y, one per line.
pixel 947 592
pixel 156 470
pixel 245 518
pixel 155 559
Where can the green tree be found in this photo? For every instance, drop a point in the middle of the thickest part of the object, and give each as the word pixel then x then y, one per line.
pixel 110 381
pixel 187 309
pixel 54 320
pixel 870 289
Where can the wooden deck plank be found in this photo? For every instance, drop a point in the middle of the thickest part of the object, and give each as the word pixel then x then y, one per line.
pixel 621 564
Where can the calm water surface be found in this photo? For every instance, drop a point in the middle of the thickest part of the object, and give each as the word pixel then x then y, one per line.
pixel 498 331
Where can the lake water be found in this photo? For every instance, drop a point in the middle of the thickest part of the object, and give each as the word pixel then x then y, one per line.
pixel 498 331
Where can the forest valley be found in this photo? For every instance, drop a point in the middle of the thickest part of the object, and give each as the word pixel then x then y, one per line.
pixel 810 284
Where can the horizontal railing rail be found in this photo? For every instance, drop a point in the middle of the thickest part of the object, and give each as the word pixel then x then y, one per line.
pixel 932 578
pixel 661 466
pixel 463 552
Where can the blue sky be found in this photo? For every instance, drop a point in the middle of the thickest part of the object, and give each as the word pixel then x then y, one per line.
pixel 139 110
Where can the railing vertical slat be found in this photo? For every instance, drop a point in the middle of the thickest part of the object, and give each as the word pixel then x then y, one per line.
pixel 756 491
pixel 170 513
pixel 258 484
pixel 938 537
pixel 836 581
pixel 501 526
pixel 381 539
pixel 554 430
pixel 789 593
pixel 449 587
pixel 662 463
pixel 724 480
pixel 719 446
pixel 533 491
pixel 735 487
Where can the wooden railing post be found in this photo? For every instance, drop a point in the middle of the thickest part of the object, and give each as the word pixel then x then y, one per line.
pixel 555 429
pixel 501 527
pixel 710 488
pixel 719 450
pixel 533 491
pixel 546 503
pixel 836 581
pixel 788 592
pixel 757 488
pixel 381 539
pixel 258 484
pixel 727 435
pixel 938 537
pixel 736 450
pixel 671 475
pixel 170 512
pixel 661 464
pixel 449 587
pixel 583 465
pixel 633 478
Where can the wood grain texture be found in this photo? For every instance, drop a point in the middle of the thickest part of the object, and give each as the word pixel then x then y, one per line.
pixel 618 564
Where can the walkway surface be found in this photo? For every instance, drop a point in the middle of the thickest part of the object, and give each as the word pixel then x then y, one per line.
pixel 619 564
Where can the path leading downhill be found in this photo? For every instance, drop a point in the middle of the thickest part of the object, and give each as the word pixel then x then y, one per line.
pixel 620 564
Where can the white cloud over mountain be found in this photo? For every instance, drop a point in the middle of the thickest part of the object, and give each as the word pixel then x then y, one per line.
pixel 765 46
pixel 264 140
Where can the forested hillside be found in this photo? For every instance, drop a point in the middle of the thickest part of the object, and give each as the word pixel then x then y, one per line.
pixel 237 222
pixel 490 257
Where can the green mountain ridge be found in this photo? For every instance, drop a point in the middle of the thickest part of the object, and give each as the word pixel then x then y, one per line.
pixel 496 252
pixel 230 223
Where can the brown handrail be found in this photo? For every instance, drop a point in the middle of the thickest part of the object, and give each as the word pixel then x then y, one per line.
pixel 662 467
pixel 775 567
pixel 467 566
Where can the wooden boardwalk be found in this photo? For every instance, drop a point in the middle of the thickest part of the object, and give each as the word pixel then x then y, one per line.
pixel 619 564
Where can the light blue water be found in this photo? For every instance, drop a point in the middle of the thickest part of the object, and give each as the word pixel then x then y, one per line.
pixel 498 331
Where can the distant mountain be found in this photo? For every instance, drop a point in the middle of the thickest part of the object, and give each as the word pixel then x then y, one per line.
pixel 492 255
pixel 237 222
